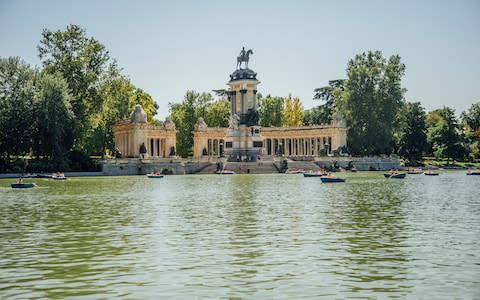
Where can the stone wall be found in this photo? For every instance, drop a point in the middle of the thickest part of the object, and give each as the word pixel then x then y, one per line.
pixel 121 167
pixel 360 163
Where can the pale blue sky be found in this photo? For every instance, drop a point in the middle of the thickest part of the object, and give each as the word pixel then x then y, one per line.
pixel 169 47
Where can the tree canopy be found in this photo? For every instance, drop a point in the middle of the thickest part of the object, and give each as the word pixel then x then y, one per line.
pixel 412 133
pixel 270 110
pixel 370 102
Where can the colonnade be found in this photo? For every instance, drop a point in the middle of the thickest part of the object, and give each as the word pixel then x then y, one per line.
pixel 213 146
pixel 125 144
pixel 299 146
pixel 156 147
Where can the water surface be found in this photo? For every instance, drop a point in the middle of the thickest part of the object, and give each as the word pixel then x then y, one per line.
pixel 242 237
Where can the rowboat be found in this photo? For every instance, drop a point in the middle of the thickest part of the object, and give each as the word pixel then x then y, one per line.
pixel 22 185
pixel 473 172
pixel 58 176
pixel 414 171
pixel 225 172
pixel 295 171
pixel 314 174
pixel 395 176
pixel 327 179
pixel 431 173
pixel 153 175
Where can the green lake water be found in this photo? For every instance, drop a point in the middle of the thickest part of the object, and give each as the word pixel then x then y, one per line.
pixel 271 236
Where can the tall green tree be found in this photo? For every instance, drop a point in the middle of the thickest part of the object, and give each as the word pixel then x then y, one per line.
pixel 373 96
pixel 445 136
pixel 185 116
pixel 270 110
pixel 412 137
pixel 17 99
pixel 471 124
pixel 53 119
pixel 80 60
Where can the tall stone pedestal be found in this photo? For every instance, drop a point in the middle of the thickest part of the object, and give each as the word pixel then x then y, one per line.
pixel 244 140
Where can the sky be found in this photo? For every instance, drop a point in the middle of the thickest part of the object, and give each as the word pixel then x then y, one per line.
pixel 169 47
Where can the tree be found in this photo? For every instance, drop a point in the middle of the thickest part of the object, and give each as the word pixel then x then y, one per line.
pixel 471 124
pixel 80 60
pixel 53 119
pixel 412 139
pixel 217 114
pixel 324 113
pixel 445 136
pixel 373 96
pixel 270 110
pixel 185 116
pixel 293 112
pixel 314 116
pixel 17 97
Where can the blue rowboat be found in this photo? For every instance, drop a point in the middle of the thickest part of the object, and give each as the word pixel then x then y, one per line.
pixel 395 176
pixel 331 179
pixel 23 185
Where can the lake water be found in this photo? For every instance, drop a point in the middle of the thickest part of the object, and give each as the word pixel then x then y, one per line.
pixel 271 236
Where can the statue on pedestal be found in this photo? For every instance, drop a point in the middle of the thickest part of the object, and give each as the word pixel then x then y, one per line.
pixel 243 57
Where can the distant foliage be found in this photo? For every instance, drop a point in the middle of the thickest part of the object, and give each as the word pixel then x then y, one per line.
pixel 412 132
pixel 270 110
pixel 445 136
pixel 471 126
pixel 292 112
pixel 323 114
pixel 186 114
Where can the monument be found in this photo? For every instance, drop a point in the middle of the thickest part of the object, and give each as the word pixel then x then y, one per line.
pixel 243 140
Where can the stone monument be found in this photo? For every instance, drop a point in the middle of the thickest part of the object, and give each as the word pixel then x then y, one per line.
pixel 244 131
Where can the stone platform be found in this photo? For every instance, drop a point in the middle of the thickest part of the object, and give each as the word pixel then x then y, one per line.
pixel 135 166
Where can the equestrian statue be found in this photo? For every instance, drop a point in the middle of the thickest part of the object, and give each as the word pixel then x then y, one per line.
pixel 244 56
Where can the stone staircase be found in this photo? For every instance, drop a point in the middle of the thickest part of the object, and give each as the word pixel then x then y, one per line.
pixel 305 165
pixel 263 167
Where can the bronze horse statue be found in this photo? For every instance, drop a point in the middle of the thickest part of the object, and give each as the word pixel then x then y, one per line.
pixel 244 56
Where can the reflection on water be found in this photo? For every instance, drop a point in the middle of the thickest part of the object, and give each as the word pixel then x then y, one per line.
pixel 242 236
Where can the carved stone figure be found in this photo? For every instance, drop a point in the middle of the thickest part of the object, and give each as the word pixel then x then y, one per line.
pixel 200 125
pixel 138 115
pixel 168 124
pixel 234 122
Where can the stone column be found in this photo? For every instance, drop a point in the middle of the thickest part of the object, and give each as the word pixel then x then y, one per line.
pixel 254 99
pixel 242 97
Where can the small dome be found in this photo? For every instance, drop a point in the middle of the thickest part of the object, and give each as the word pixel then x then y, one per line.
pixel 138 115
pixel 243 74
